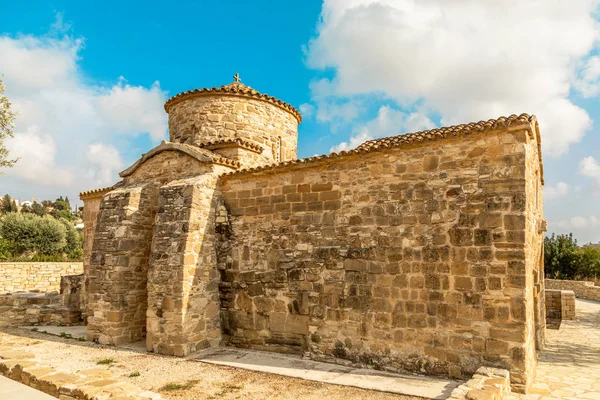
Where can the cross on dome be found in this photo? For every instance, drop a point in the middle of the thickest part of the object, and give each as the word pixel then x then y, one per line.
pixel 237 78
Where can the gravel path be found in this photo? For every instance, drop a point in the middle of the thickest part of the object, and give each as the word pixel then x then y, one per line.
pixel 186 379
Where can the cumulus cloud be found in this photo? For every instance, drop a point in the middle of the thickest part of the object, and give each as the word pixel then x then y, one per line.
pixel 589 82
pixel 553 192
pixel 388 122
pixel 130 109
pixel 307 110
pixel 354 141
pixel 67 122
pixel 496 61
pixel 580 222
pixel 590 167
pixel 104 163
pixel 37 153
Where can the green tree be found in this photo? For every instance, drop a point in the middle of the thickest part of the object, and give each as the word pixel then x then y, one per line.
pixel 560 256
pixel 8 205
pixel 73 237
pixel 589 262
pixel 62 204
pixel 38 209
pixel 7 123
pixel 29 233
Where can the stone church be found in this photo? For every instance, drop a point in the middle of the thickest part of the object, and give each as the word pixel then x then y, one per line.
pixel 420 252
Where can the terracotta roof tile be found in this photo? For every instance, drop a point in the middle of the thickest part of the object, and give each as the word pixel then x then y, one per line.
pixel 95 192
pixel 422 137
pixel 202 155
pixel 233 89
pixel 455 130
pixel 217 144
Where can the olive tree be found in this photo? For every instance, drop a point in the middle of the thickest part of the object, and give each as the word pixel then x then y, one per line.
pixel 7 123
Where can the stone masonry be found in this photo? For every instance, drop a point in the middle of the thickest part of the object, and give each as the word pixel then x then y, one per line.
pixel 560 305
pixel 419 252
pixel 583 289
pixel 35 276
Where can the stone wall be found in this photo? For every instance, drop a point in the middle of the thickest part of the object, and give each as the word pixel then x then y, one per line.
pixel 485 384
pixel 153 264
pixel 560 305
pixel 35 276
pixel 117 288
pixel 183 281
pixel 582 289
pixel 36 309
pixel 423 258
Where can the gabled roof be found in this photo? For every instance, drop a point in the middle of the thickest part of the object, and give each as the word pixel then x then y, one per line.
pixel 202 155
pixel 233 89
pixel 418 138
pixel 449 131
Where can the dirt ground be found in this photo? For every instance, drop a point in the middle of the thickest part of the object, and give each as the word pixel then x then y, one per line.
pixel 177 378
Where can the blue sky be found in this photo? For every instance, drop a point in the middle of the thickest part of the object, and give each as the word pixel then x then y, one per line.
pixel 89 79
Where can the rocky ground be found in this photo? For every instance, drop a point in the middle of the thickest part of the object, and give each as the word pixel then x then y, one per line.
pixel 176 378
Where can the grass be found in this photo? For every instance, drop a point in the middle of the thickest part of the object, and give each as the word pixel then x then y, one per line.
pixel 169 387
pixel 65 335
pixel 232 387
pixel 134 374
pixel 106 361
pixel 224 390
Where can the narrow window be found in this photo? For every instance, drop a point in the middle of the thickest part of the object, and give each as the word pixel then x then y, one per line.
pixel 278 157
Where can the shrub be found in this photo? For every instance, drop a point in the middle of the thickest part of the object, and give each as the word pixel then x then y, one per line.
pixel 589 262
pixel 560 256
pixel 564 259
pixel 30 233
pixel 73 237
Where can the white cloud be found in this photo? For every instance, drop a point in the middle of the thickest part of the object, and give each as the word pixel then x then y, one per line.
pixel 131 109
pixel 589 83
pixel 67 122
pixel 37 163
pixel 590 167
pixel 553 192
pixel 104 161
pixel 355 141
pixel 580 222
pixel 337 112
pixel 307 110
pixel 496 61
pixel 388 122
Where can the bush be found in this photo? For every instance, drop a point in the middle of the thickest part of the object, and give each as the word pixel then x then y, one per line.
pixel 564 259
pixel 73 237
pixel 29 233
pixel 589 262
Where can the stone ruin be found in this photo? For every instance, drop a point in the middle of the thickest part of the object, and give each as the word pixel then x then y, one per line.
pixel 420 252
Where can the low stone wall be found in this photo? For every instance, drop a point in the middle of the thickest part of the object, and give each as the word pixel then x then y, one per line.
pixel 560 305
pixel 66 308
pixel 486 384
pixel 583 289
pixel 94 383
pixel 36 309
pixel 35 276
